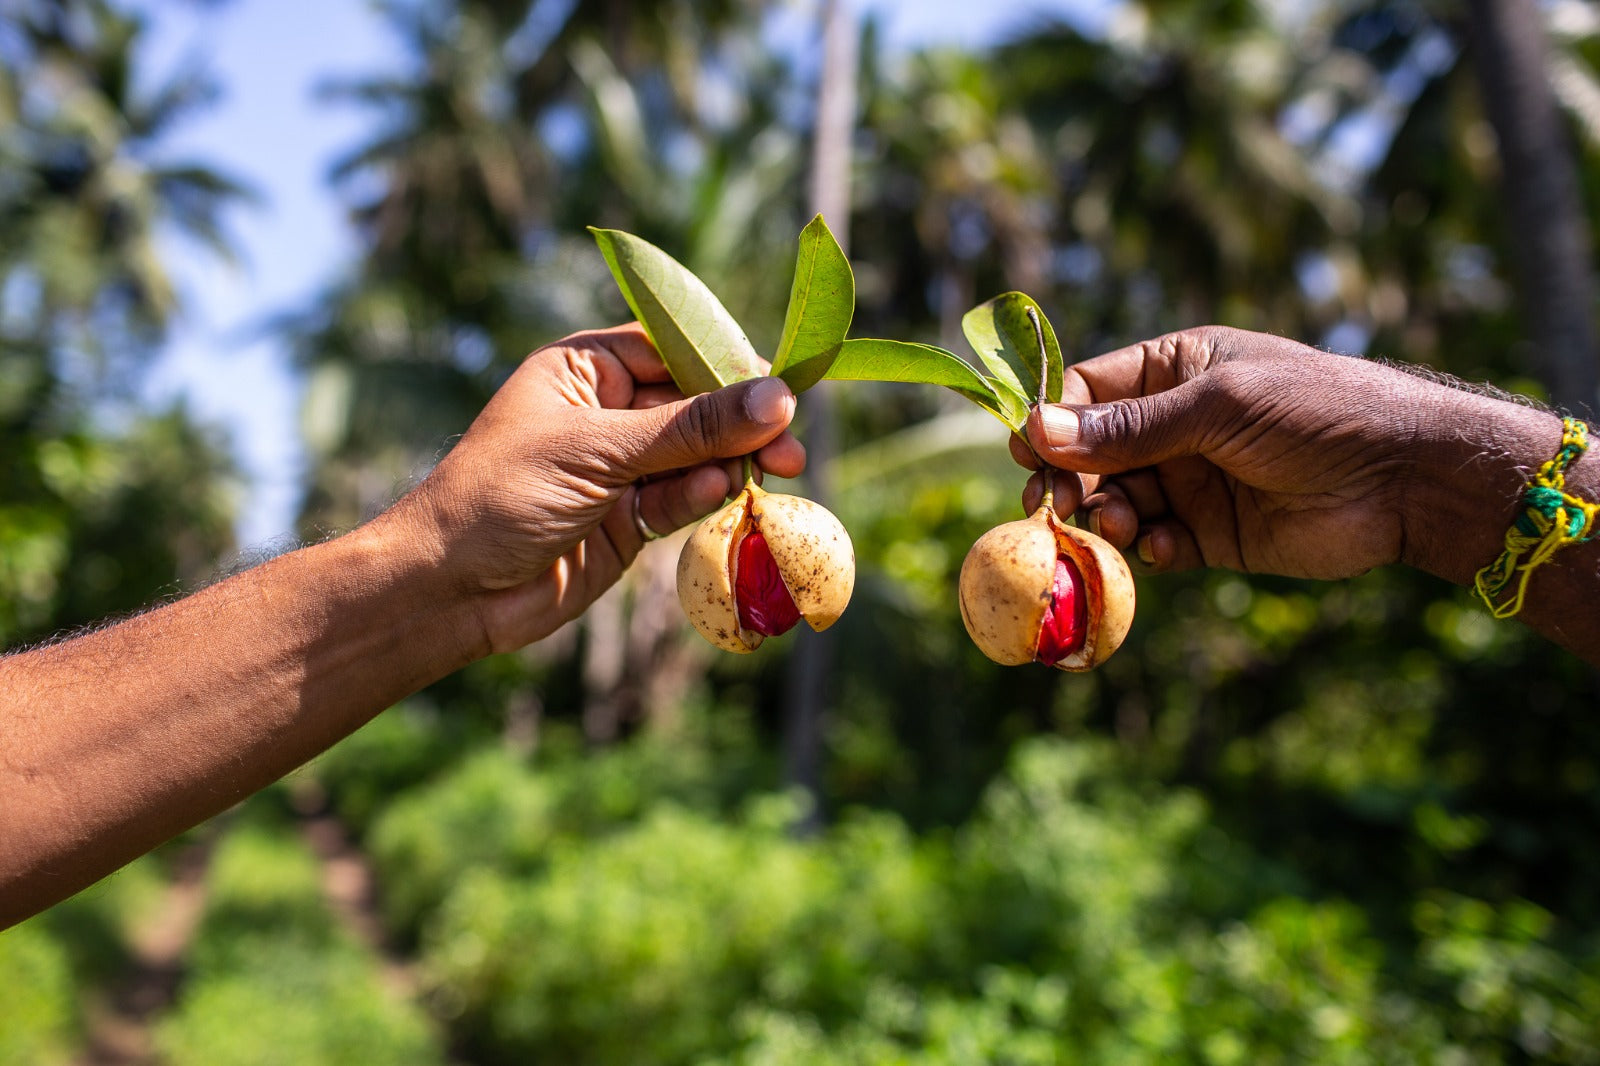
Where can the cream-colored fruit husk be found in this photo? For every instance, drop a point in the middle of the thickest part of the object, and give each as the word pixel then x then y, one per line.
pixel 705 578
pixel 812 551
pixel 1008 577
pixel 1005 589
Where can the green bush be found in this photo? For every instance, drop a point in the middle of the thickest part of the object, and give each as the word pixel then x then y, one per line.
pixel 1509 988
pixel 400 749
pixel 489 812
pixel 274 980
pixel 495 811
pixel 52 963
pixel 263 893
pixel 295 1007
pixel 38 1022
pixel 1079 917
pixel 666 925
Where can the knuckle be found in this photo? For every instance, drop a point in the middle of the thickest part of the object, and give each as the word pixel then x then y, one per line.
pixel 1117 422
pixel 1168 348
pixel 1201 348
pixel 700 424
pixel 1232 389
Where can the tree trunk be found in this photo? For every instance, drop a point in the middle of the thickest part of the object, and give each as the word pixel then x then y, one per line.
pixel 1549 233
pixel 812 665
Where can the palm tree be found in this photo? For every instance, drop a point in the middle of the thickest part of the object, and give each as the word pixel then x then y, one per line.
pixel 89 194
pixel 958 194
pixel 94 521
pixel 1551 245
pixel 1177 185
pixel 473 227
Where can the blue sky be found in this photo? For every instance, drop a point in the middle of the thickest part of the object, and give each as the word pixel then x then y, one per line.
pixel 269 130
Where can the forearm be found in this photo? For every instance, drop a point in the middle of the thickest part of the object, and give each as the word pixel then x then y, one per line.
pixel 1474 462
pixel 122 738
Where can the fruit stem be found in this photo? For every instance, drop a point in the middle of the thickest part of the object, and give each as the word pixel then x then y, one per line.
pixel 1042 397
pixel 749 469
pixel 1044 358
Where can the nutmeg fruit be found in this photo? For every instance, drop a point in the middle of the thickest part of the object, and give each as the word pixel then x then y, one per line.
pixel 1039 590
pixel 762 563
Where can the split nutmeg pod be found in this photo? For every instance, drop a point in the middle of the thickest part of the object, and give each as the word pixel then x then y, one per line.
pixel 1032 590
pixel 755 568
pixel 1039 590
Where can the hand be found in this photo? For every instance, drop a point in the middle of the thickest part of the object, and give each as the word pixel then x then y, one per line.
pixel 1219 447
pixel 532 512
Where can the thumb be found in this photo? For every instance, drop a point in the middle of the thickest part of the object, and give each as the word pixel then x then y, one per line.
pixel 1109 438
pixel 729 422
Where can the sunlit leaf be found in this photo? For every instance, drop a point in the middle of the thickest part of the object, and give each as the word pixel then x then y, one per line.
pixel 1002 333
pixel 702 345
pixel 1012 401
pixel 872 359
pixel 821 303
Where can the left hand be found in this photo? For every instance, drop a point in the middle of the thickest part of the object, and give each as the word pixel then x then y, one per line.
pixel 532 513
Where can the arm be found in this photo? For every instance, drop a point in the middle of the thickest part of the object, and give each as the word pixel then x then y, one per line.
pixel 1218 447
pixel 119 739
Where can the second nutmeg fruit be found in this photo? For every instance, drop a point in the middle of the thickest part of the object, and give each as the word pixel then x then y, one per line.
pixel 1040 590
pixel 755 568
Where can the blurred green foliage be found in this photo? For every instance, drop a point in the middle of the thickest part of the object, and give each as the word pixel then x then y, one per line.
pixel 39 1024
pixel 274 979
pixel 103 507
pixel 1078 916
pixel 1286 823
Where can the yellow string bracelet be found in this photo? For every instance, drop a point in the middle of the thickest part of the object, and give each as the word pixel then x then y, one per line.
pixel 1550 520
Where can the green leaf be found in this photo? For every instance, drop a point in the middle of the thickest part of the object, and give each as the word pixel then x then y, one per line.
pixel 821 303
pixel 871 359
pixel 1012 401
pixel 1003 335
pixel 702 345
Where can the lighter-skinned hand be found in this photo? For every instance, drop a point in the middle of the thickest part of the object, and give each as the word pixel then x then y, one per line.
pixel 532 512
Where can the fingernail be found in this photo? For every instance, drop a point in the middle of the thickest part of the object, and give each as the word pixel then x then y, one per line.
pixel 1058 426
pixel 1147 549
pixel 769 402
pixel 1094 522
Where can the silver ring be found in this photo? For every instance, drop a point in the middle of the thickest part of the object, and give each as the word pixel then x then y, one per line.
pixel 646 534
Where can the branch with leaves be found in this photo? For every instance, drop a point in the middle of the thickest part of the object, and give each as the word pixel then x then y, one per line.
pixel 1031 591
pixel 705 348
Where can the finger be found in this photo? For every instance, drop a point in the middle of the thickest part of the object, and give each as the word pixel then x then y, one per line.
pixel 1068 490
pixel 1022 453
pixel 1142 489
pixel 1143 368
pixel 1116 375
pixel 734 469
pixel 729 422
pixel 600 558
pixel 1109 514
pixel 785 456
pixel 595 368
pixel 674 502
pixel 631 346
pixel 1167 545
pixel 1110 438
pixel 633 349
pixel 648 396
